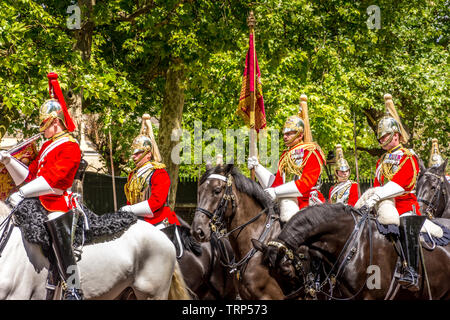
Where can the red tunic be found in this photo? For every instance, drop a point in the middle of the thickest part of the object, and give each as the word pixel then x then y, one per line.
pixel 57 162
pixel 159 190
pixel 310 173
pixel 405 168
pixel 349 197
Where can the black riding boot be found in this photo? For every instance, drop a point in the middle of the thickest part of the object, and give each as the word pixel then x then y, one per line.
pixel 60 226
pixel 409 239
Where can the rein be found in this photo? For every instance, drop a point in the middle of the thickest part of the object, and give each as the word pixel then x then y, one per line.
pixel 219 229
pixel 7 227
pixel 310 286
pixel 433 203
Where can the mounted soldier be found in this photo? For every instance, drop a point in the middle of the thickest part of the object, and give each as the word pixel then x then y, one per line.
pixel 295 184
pixel 148 185
pixel 345 190
pixel 49 177
pixel 395 177
pixel 435 157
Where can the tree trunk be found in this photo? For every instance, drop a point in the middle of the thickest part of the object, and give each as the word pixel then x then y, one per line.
pixel 171 116
pixel 84 45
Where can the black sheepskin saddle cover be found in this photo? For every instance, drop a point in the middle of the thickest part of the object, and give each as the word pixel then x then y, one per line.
pixel 30 217
pixel 394 230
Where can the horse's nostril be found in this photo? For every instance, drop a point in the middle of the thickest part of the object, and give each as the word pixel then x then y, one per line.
pixel 200 234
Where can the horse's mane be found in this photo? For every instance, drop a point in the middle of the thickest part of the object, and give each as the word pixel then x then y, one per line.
pixel 300 226
pixel 243 184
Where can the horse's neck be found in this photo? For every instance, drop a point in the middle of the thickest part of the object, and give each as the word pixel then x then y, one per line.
pixel 247 209
pixel 443 206
pixel 446 209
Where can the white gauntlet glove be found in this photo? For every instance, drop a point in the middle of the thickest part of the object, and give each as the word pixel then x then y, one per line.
pixel 271 193
pixel 140 209
pixel 5 157
pixel 372 201
pixel 15 198
pixel 252 162
pixel 389 190
pixel 126 208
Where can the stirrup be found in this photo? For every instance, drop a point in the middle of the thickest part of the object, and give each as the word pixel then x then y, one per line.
pixel 73 294
pixel 409 280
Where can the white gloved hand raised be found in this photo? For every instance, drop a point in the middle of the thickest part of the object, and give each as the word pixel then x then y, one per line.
pixel 5 157
pixel 271 193
pixel 252 162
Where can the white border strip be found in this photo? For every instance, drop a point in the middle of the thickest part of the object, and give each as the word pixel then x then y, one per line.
pixel 217 176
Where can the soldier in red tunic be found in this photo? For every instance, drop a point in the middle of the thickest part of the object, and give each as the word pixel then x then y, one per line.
pixel 299 167
pixel 395 177
pixel 49 177
pixel 345 190
pixel 148 185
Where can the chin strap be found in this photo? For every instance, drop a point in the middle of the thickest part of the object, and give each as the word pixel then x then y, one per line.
pixel 391 136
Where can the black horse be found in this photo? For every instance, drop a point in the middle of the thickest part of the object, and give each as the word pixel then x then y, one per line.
pixel 204 274
pixel 433 191
pixel 358 262
pixel 231 206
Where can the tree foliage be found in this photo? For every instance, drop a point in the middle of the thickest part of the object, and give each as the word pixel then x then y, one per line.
pixel 323 49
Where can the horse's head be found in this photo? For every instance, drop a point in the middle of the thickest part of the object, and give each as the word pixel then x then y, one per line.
pixel 224 197
pixel 431 189
pixel 211 200
pixel 289 268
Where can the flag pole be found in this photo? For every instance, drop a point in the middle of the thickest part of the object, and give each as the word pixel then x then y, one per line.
pixel 112 165
pixel 253 150
pixel 356 154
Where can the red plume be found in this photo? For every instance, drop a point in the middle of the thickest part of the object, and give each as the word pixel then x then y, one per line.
pixel 54 84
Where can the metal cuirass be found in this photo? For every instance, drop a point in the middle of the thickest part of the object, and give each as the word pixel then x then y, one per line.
pixel 137 187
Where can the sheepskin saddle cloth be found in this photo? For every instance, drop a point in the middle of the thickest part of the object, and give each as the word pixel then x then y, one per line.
pixel 388 221
pixel 30 217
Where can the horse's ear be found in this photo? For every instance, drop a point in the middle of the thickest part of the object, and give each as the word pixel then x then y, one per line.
pixel 208 165
pixel 259 245
pixel 422 168
pixel 443 166
pixel 228 168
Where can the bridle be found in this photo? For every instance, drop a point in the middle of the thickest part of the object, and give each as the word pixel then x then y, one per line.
pixel 297 260
pixel 218 224
pixel 435 199
pixel 312 287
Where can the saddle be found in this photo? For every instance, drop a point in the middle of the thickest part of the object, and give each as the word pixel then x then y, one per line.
pixel 30 216
pixel 388 221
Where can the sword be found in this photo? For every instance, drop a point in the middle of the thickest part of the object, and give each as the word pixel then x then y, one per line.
pixel 24 143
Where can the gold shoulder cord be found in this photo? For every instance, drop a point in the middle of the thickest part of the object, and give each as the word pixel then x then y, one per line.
pixel 386 168
pixel 288 165
pixel 157 165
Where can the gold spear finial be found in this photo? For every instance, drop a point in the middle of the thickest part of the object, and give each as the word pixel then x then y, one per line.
pixel 251 21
